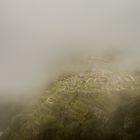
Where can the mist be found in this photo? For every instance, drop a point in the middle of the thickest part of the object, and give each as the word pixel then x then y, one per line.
pixel 38 36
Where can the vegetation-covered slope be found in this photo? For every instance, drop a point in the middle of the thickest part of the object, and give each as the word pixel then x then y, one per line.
pixel 97 102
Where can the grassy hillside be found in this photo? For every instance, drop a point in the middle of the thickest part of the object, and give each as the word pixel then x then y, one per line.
pixel 7 113
pixel 96 102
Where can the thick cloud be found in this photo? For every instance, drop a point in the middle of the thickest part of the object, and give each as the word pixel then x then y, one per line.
pixel 36 34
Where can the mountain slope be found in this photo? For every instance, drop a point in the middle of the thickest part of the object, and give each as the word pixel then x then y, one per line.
pixel 83 105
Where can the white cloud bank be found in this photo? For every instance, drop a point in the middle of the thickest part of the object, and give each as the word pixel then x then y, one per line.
pixel 36 34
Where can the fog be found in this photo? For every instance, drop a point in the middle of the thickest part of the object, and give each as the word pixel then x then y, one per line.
pixel 37 36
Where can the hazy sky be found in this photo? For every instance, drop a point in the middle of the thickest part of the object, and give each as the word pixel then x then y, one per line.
pixel 36 34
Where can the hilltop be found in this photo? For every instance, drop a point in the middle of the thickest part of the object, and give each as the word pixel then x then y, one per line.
pixel 97 101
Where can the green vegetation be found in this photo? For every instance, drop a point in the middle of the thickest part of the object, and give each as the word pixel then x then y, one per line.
pixel 97 102
pixel 7 113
